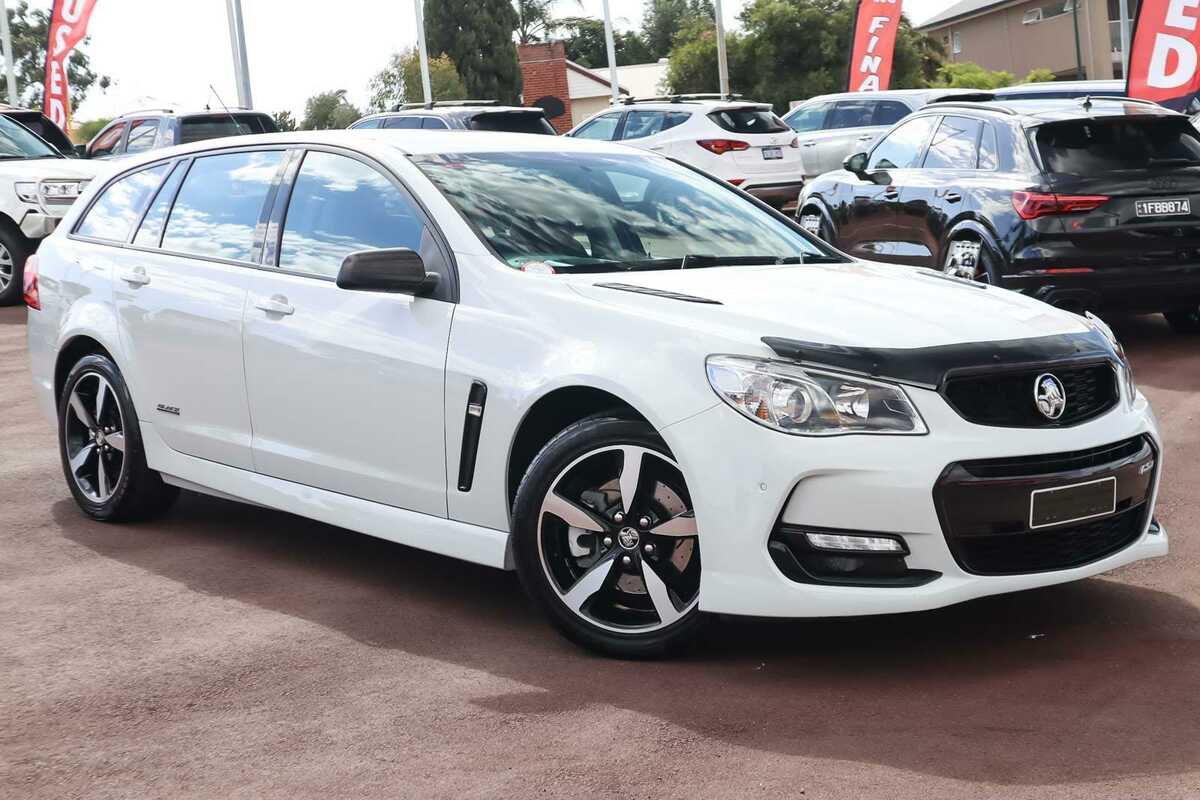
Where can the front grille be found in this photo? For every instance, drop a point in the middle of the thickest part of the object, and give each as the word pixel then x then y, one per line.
pixel 1006 399
pixel 1056 548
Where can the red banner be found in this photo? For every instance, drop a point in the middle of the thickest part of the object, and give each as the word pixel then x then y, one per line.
pixel 68 26
pixel 1163 54
pixel 875 26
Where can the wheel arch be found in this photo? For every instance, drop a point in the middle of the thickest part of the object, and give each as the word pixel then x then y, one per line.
pixel 818 202
pixel 69 353
pixel 971 226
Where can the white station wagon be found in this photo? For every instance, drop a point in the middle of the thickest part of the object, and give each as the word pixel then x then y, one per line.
pixel 649 394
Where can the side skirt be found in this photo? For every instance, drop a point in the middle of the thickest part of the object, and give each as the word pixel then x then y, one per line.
pixel 435 534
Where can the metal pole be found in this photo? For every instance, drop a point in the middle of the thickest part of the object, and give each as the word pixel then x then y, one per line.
pixel 6 40
pixel 427 95
pixel 237 41
pixel 612 54
pixel 1078 54
pixel 722 61
pixel 1123 8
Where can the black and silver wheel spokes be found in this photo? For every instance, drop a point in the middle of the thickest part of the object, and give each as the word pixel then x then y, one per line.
pixel 965 260
pixel 618 539
pixel 94 432
pixel 8 269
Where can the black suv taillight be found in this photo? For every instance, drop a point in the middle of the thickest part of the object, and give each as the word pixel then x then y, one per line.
pixel 1031 205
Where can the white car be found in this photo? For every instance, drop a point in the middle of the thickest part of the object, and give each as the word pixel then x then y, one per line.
pixel 743 143
pixel 37 186
pixel 649 395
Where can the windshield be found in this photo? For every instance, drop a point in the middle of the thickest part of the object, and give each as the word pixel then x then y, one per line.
pixel 590 212
pixel 511 122
pixel 17 142
pixel 1093 147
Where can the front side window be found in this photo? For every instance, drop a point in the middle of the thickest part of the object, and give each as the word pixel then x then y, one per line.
pixel 953 144
pixel 600 128
pixel 107 142
pixel 588 212
pixel 808 118
pixel 851 114
pixel 115 212
pixel 640 124
pixel 367 123
pixel 340 205
pixel 141 135
pixel 219 204
pixel 902 148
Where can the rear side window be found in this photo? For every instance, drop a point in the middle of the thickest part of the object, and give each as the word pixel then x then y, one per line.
pixel 107 142
pixel 200 128
pixel 1090 147
pixel 150 231
pixel 748 120
pixel 640 124
pixel 433 123
pixel 851 114
pixel 989 154
pixel 406 123
pixel 600 128
pixel 367 123
pixel 114 214
pixel 809 118
pixel 340 205
pixel 141 135
pixel 954 144
pixel 901 149
pixel 219 204
pixel 889 112
pixel 512 122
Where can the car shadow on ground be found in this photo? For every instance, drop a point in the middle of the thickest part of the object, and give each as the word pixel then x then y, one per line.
pixel 1090 681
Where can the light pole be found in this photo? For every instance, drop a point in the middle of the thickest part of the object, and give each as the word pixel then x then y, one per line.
pixel 237 41
pixel 6 40
pixel 612 54
pixel 722 61
pixel 418 6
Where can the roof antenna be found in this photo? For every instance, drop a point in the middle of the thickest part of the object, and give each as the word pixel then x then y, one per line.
pixel 1087 102
pixel 236 124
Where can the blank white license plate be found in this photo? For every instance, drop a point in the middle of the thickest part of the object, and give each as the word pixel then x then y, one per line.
pixel 1073 503
pixel 1170 207
pixel 772 153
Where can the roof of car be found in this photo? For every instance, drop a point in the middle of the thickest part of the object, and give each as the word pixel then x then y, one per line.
pixel 1055 87
pixel 890 93
pixel 1059 110
pixel 206 112
pixel 453 111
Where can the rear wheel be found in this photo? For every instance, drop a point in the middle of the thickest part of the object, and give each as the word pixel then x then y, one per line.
pixel 13 253
pixel 1184 321
pixel 966 257
pixel 606 540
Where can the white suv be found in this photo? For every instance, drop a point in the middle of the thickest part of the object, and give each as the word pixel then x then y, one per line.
pixel 743 143
pixel 646 393
pixel 37 186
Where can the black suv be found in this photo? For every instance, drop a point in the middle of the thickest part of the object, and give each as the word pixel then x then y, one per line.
pixel 460 115
pixel 1088 204
pixel 139 131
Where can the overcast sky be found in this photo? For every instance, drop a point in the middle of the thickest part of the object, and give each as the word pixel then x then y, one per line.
pixel 167 52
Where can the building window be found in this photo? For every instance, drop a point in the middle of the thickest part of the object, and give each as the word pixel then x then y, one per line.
pixel 956 46
pixel 1048 12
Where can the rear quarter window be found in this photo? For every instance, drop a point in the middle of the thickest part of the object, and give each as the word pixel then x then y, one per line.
pixel 119 206
pixel 748 120
pixel 1089 147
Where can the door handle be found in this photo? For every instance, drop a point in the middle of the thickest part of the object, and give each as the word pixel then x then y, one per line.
pixel 890 193
pixel 865 138
pixel 136 276
pixel 810 144
pixel 952 197
pixel 275 304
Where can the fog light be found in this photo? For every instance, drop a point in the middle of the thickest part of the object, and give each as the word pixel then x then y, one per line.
pixel 862 544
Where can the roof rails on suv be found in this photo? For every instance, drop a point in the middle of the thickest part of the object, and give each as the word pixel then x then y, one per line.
pixel 444 104
pixel 677 98
pixel 1085 102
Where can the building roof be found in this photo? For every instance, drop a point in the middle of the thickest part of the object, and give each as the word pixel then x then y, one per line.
pixel 963 8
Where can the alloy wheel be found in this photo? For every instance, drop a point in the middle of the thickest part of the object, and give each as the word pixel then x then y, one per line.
pixel 7 268
pixel 811 223
pixel 617 540
pixel 965 260
pixel 94 432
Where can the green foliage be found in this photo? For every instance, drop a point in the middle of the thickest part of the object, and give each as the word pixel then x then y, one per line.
pixel 284 121
pixel 1039 76
pixel 30 29
pixel 328 110
pixel 663 20
pixel 400 81
pixel 85 131
pixel 766 64
pixel 535 19
pixel 478 37
pixel 583 38
pixel 965 75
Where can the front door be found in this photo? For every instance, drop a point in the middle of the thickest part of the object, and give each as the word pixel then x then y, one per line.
pixel 346 387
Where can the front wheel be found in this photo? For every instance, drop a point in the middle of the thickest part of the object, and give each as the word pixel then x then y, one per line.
pixel 605 539
pixel 814 222
pixel 968 259
pixel 13 252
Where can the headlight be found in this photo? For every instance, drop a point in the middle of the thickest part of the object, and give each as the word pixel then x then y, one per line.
pixel 1127 385
pixel 811 402
pixel 27 191
pixel 58 192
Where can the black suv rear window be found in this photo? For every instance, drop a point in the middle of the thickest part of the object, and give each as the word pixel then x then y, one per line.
pixel 511 122
pixel 1090 147
pixel 197 129
pixel 748 120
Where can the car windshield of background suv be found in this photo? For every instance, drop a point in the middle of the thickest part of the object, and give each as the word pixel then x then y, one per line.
pixel 1091 147
pixel 583 212
pixel 18 143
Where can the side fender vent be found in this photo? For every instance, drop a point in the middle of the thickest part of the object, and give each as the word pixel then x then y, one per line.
pixel 472 425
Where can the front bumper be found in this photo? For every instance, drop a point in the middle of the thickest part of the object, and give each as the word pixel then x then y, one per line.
pixel 882 484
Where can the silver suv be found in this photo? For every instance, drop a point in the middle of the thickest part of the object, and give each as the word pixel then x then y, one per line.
pixel 833 126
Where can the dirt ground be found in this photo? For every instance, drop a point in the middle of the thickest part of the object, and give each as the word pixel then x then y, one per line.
pixel 227 651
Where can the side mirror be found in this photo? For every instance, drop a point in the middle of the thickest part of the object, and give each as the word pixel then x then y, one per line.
pixel 81 150
pixel 856 163
pixel 397 270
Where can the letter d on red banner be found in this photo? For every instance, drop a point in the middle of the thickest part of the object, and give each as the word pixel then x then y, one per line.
pixel 871 46
pixel 1162 54
pixel 68 26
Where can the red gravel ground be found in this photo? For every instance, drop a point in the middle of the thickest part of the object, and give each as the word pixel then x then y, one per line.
pixel 227 651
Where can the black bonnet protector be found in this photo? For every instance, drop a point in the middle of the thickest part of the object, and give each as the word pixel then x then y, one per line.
pixel 928 367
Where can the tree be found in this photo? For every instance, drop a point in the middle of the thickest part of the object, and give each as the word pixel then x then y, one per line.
pixel 765 63
pixel 30 30
pixel 583 39
pixel 478 37
pixel 664 19
pixel 400 81
pixel 85 131
pixel 328 110
pixel 284 121
pixel 965 75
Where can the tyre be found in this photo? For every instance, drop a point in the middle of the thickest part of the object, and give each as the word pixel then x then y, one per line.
pixel 1184 321
pixel 101 446
pixel 814 222
pixel 13 252
pixel 968 258
pixel 605 539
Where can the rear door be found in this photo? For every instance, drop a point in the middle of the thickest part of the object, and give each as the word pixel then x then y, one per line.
pixel 653 129
pixel 808 121
pixel 1148 166
pixel 603 128
pixel 849 129
pixel 346 387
